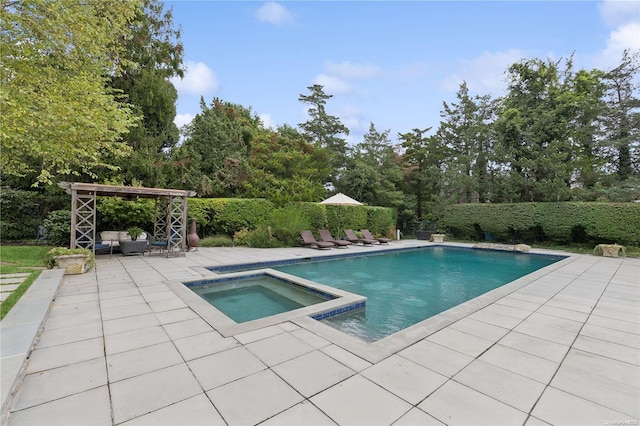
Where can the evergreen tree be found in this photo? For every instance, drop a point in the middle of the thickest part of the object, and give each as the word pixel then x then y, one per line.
pixel 466 130
pixel 214 157
pixel 285 167
pixel 155 55
pixel 423 164
pixel 622 119
pixel 324 130
pixel 373 175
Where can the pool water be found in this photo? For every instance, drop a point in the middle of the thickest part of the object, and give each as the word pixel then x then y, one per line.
pixel 252 298
pixel 406 287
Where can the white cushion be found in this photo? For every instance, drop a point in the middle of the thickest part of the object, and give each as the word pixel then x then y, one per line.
pixel 109 237
pixel 114 237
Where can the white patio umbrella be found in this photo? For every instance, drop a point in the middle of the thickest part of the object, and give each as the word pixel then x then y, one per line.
pixel 340 200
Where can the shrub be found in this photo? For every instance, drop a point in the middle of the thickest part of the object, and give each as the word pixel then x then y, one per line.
pixel 558 222
pixel 285 225
pixel 115 213
pixel 217 241
pixel 262 238
pixel 24 211
pixel 381 221
pixel 241 237
pixel 346 217
pixel 232 215
pixel 58 226
pixel 314 214
pixel 228 215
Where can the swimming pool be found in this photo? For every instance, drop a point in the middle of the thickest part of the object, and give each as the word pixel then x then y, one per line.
pixel 408 286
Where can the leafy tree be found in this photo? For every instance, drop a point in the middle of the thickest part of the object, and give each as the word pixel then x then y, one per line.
pixel 59 117
pixel 533 132
pixel 587 94
pixel 324 130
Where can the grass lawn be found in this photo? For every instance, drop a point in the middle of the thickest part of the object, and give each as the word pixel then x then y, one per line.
pixel 20 259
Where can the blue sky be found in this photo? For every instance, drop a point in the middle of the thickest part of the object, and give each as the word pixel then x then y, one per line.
pixel 392 63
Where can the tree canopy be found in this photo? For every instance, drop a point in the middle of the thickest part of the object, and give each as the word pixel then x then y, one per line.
pixel 59 115
pixel 85 91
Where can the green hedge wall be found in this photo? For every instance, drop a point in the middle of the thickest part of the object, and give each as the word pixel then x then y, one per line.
pixel 115 213
pixel 558 222
pixel 314 214
pixel 382 220
pixel 228 215
pixel 23 211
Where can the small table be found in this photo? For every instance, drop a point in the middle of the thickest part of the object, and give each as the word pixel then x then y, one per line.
pixel 133 247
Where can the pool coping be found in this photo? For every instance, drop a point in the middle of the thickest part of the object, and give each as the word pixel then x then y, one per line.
pixel 343 300
pixel 370 351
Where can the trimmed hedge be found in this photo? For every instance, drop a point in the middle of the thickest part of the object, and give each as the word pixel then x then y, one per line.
pixel 115 213
pixel 314 213
pixel 228 215
pixel 217 216
pixel 23 211
pixel 382 220
pixel 563 222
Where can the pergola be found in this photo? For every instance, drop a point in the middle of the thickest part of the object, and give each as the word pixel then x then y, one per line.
pixel 170 221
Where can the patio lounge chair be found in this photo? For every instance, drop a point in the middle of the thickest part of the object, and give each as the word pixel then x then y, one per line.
pixel 368 235
pixel 309 240
pixel 325 234
pixel 351 236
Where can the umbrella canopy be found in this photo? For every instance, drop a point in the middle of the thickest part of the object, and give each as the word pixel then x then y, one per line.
pixel 341 200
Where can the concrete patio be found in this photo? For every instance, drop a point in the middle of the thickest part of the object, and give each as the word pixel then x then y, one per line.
pixel 120 347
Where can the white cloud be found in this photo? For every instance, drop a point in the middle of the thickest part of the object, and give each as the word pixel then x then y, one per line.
pixel 624 37
pixel 183 119
pixel 484 73
pixel 274 13
pixel 350 71
pixel 617 13
pixel 333 85
pixel 198 79
pixel 335 79
pixel 267 121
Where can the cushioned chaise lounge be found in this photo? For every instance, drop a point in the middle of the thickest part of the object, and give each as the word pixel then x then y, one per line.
pixel 351 236
pixel 368 235
pixel 309 240
pixel 325 234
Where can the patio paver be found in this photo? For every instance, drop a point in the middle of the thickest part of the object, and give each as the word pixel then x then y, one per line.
pixel 119 347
